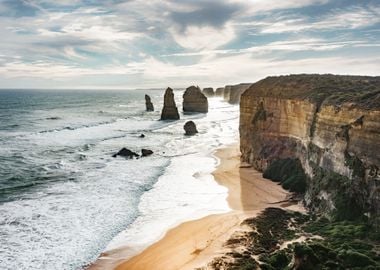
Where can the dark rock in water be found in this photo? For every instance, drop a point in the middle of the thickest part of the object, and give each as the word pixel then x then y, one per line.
pixel 169 111
pixel 219 92
pixel 142 136
pixel 124 152
pixel 208 91
pixel 148 104
pixel 194 100
pixel 146 152
pixel 190 128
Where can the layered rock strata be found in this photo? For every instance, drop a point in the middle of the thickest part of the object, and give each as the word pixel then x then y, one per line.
pixel 194 100
pixel 169 111
pixel 331 124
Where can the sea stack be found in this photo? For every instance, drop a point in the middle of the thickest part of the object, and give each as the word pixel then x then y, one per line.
pixel 169 111
pixel 194 100
pixel 219 92
pixel 190 128
pixel 208 91
pixel 148 104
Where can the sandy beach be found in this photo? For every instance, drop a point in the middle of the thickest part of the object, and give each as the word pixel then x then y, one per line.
pixel 194 243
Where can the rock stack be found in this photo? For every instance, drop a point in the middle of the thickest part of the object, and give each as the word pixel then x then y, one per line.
pixel 190 128
pixel 148 104
pixel 219 92
pixel 194 100
pixel 169 111
pixel 208 91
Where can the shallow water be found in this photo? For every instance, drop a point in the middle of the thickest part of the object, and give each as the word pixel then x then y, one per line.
pixel 64 199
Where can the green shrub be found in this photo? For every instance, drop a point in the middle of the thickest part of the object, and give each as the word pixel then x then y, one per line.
pixel 352 258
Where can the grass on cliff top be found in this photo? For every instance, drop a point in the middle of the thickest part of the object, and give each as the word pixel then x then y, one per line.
pixel 362 91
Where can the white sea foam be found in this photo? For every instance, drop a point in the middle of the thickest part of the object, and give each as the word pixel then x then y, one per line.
pixel 82 198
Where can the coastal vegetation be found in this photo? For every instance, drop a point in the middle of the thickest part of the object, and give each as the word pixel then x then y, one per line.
pixel 283 239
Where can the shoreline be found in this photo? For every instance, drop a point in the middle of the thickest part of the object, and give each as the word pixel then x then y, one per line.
pixel 195 243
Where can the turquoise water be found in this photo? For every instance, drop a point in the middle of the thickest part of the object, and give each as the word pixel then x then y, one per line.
pixel 63 198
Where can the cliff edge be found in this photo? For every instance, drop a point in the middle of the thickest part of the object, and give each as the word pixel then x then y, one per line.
pixel 320 135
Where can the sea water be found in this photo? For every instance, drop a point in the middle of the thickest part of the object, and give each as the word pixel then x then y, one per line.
pixel 64 199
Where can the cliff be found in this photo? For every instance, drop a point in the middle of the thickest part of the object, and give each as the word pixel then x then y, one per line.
pixel 326 125
pixel 232 93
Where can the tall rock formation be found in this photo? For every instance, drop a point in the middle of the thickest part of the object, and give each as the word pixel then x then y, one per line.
pixel 219 92
pixel 328 124
pixel 194 100
pixel 232 93
pixel 169 111
pixel 148 104
pixel 208 91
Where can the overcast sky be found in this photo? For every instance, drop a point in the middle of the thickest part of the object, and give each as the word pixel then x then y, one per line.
pixel 149 43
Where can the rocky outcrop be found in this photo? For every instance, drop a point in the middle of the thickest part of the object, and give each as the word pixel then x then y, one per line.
pixel 208 91
pixel 331 125
pixel 190 128
pixel 124 152
pixel 148 104
pixel 146 152
pixel 232 93
pixel 194 100
pixel 169 111
pixel 219 92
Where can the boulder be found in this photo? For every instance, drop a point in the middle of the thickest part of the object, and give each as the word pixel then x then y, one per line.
pixel 146 152
pixel 219 92
pixel 190 128
pixel 148 104
pixel 169 111
pixel 124 152
pixel 208 91
pixel 142 136
pixel 194 100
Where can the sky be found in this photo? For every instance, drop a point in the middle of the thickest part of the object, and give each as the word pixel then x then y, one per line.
pixel 115 44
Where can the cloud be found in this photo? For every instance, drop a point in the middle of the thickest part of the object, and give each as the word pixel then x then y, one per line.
pixel 206 14
pixel 181 42
pixel 354 17
pixel 203 37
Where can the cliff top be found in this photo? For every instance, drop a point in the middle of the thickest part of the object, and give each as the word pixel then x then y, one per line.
pixel 361 91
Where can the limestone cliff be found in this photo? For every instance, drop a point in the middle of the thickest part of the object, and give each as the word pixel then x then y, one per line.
pixel 331 124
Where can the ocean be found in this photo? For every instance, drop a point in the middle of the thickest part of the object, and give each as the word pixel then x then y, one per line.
pixel 64 199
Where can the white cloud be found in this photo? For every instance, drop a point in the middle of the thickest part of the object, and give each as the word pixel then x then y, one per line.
pixel 203 37
pixel 346 18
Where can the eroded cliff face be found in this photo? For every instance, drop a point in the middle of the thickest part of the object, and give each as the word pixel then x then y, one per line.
pixel 331 124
